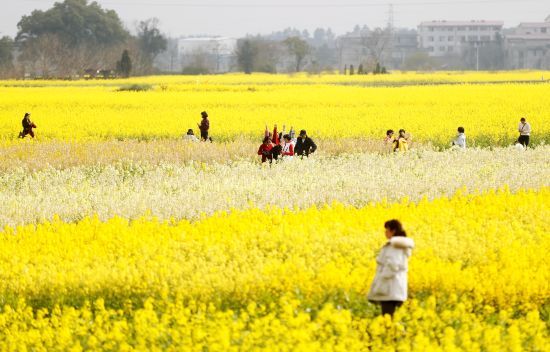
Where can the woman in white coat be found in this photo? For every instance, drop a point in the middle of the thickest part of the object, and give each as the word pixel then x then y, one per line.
pixel 389 287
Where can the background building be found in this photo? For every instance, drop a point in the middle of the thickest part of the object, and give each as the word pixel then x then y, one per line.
pixel 528 46
pixel 441 38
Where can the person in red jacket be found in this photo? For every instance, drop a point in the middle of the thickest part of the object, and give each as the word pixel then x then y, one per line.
pixel 204 126
pixel 265 150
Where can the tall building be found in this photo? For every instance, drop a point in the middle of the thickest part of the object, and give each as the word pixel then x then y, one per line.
pixel 441 38
pixel 529 46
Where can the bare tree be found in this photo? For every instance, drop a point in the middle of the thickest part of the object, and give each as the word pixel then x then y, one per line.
pixel 298 48
pixel 377 43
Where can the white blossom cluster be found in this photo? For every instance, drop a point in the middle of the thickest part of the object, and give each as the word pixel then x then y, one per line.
pixel 132 189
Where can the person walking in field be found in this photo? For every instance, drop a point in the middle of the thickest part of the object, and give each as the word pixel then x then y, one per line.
pixel 460 140
pixel 304 145
pixel 389 287
pixel 204 126
pixel 524 129
pixel 28 125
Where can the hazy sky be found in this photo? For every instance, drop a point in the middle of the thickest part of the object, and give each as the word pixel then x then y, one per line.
pixel 239 17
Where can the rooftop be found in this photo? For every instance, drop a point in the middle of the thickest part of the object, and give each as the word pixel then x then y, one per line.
pixel 462 23
pixel 528 37
pixel 534 24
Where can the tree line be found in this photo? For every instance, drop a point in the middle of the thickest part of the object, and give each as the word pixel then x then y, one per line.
pixel 75 37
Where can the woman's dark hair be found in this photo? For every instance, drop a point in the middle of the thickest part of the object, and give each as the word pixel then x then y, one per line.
pixel 395 225
pixel 461 130
pixel 401 131
pixel 190 132
pixel 286 136
pixel 266 139
pixel 388 132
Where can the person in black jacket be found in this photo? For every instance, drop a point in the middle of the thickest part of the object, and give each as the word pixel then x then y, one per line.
pixel 304 145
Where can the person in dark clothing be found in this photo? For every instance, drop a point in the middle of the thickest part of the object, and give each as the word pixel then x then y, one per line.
pixel 276 151
pixel 28 125
pixel 204 126
pixel 304 145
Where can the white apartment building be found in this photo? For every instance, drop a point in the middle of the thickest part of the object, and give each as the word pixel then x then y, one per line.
pixel 440 38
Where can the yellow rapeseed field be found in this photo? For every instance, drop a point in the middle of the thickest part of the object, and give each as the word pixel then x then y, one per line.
pixel 277 280
pixel 328 106
pixel 117 235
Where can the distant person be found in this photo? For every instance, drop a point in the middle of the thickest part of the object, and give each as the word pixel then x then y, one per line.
pixel 524 129
pixel 204 126
pixel 276 152
pixel 265 150
pixel 389 140
pixel 402 142
pixel 460 140
pixel 389 287
pixel 292 134
pixel 304 145
pixel 273 136
pixel 288 148
pixel 28 125
pixel 190 136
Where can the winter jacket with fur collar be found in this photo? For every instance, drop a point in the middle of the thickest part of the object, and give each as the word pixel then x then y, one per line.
pixel 390 282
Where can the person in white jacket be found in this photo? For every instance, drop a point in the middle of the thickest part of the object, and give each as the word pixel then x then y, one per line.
pixel 460 140
pixel 389 287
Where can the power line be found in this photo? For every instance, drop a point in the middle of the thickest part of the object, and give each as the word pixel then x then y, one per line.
pixel 304 5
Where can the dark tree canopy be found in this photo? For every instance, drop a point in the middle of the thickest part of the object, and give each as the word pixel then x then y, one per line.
pixel 124 66
pixel 246 55
pixel 76 22
pixel 6 52
pixel 150 39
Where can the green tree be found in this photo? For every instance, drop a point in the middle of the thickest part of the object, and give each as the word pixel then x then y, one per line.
pixel 151 41
pixel 6 52
pixel 76 22
pixel 69 38
pixel 298 48
pixel 246 55
pixel 124 66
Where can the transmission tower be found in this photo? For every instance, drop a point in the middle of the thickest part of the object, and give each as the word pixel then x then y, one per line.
pixel 390 32
pixel 390 17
